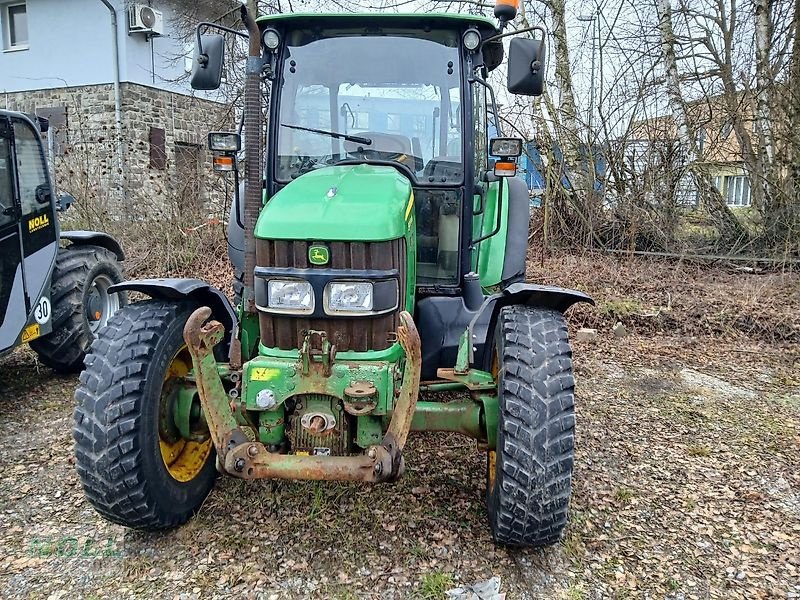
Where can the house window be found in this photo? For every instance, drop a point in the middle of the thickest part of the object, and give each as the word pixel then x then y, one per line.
pixel 734 188
pixel 15 26
pixel 738 191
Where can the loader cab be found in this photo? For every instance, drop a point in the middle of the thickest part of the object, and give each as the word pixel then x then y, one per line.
pixel 28 232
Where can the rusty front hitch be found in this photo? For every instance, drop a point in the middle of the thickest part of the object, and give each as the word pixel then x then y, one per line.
pixel 240 457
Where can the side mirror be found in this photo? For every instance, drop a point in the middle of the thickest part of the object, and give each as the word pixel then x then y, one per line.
pixel 526 66
pixel 209 54
pixel 64 201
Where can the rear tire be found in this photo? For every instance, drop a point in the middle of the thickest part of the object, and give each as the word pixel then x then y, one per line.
pixel 529 477
pixel 119 422
pixel 80 278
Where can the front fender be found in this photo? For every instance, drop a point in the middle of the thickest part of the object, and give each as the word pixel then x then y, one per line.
pixel 196 290
pixel 482 326
pixel 94 238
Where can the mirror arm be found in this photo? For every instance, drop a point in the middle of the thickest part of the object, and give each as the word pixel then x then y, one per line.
pixel 515 32
pixel 201 55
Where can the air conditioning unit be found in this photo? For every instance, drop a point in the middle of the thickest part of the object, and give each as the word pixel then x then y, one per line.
pixel 145 19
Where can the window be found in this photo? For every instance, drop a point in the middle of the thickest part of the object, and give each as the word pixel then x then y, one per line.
pixel 6 185
pixel 738 191
pixel 362 120
pixel 15 26
pixel 734 188
pixel 393 122
pixel 31 166
pixel 158 149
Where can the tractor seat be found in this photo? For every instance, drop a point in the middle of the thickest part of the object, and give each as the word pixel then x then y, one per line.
pixel 447 167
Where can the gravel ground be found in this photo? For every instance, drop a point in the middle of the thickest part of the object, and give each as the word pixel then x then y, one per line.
pixel 686 486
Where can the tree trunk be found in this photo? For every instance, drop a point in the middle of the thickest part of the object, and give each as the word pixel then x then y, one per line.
pixel 730 230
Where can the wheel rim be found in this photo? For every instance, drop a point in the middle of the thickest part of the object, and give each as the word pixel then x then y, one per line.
pixel 183 459
pixel 100 304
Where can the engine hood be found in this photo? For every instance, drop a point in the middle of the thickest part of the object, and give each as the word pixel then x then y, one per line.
pixel 346 203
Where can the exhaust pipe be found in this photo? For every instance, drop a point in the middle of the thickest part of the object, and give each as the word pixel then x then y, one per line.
pixel 253 144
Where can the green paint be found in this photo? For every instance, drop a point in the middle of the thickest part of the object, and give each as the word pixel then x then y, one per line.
pixel 182 415
pixel 491 417
pixel 391 354
pixel 462 358
pixel 369 431
pixel 461 416
pixel 272 426
pixel 285 378
pixel 489 256
pixel 319 255
pixel 347 203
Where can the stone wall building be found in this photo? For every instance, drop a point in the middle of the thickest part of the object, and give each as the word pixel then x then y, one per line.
pixel 155 160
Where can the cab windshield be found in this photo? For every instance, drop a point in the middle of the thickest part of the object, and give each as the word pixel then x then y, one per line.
pixel 387 95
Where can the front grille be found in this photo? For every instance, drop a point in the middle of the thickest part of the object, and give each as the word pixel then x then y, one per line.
pixel 353 333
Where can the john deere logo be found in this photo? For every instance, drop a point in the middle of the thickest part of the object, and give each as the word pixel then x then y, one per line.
pixel 318 255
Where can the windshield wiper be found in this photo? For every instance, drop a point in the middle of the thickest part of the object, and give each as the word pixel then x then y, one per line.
pixel 334 134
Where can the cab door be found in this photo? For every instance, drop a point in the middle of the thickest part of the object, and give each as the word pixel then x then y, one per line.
pixel 13 314
pixel 28 234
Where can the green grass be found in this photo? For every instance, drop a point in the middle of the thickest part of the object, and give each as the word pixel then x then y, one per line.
pixel 698 450
pixel 621 308
pixel 623 495
pixel 434 585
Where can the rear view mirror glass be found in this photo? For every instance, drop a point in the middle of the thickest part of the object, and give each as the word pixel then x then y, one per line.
pixel 207 66
pixel 526 66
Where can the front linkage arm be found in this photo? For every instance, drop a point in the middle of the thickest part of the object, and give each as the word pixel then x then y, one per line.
pixel 240 457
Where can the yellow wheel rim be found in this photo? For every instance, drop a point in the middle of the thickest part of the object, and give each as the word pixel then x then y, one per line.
pixel 184 459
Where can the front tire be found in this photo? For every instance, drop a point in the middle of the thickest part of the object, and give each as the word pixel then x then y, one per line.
pixel 135 468
pixel 529 475
pixel 81 305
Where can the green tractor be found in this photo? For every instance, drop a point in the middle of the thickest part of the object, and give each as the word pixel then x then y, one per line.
pixel 381 253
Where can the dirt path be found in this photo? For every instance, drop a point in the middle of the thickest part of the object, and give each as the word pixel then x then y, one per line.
pixel 687 485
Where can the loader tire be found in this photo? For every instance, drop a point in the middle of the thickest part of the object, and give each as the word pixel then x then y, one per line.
pixel 529 475
pixel 135 470
pixel 81 305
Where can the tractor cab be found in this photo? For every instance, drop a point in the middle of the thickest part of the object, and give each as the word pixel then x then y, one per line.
pixel 386 117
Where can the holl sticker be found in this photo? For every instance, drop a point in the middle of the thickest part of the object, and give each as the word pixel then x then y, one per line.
pixel 319 255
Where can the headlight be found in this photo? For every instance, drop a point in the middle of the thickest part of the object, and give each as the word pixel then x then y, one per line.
pixel 291 296
pixel 224 141
pixel 349 296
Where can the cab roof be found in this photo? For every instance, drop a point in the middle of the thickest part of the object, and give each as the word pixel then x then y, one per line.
pixel 410 20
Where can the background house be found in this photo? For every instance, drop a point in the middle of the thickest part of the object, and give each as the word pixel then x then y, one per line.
pixel 654 147
pixel 112 76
